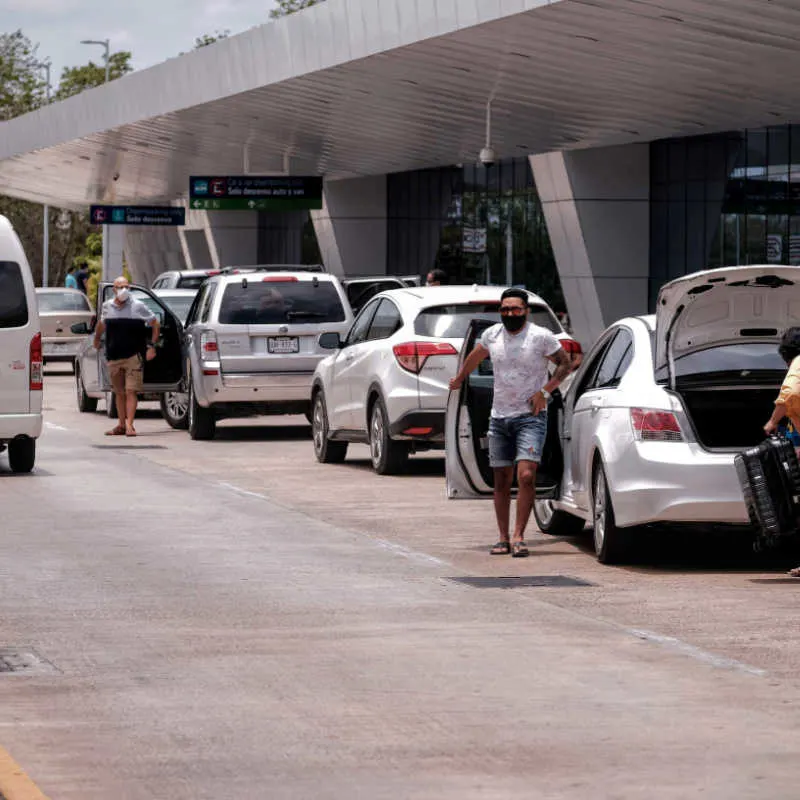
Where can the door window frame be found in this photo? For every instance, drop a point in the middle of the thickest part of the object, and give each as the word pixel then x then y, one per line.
pixel 384 301
pixel 367 313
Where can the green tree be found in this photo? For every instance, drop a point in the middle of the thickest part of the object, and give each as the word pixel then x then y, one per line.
pixel 209 38
pixel 21 84
pixel 290 6
pixel 75 80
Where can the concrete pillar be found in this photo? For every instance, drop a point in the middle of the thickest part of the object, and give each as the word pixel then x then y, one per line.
pixel 597 208
pixel 196 252
pixel 150 251
pixel 232 238
pixel 352 226
pixel 113 251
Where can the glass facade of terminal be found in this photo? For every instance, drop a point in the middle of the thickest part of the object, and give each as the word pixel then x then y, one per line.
pixel 722 200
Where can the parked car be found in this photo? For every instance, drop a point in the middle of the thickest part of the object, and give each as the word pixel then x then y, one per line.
pixel 386 384
pixel 179 300
pixel 162 375
pixel 59 310
pixel 183 279
pixel 252 344
pixel 662 404
pixel 361 290
pixel 21 345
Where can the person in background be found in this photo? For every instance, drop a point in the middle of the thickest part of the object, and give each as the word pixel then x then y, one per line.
pixel 71 282
pixel 436 277
pixel 82 276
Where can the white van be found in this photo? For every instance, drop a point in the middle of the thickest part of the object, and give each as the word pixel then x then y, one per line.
pixel 20 355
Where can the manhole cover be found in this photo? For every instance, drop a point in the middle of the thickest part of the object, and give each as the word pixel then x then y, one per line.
pixel 519 581
pixel 27 662
pixel 129 447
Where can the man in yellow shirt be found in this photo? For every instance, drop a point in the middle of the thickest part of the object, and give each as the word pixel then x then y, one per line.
pixel 788 403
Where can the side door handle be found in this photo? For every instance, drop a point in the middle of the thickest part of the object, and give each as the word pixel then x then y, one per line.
pixel 596 405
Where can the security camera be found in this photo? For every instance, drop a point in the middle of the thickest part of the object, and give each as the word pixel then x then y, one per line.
pixel 116 176
pixel 488 156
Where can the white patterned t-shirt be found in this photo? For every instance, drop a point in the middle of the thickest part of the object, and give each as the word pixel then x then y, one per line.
pixel 520 366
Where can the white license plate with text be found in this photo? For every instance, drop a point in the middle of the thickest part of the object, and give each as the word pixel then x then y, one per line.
pixel 283 344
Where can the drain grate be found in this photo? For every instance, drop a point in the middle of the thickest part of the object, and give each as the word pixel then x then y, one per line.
pixel 129 447
pixel 26 662
pixel 520 581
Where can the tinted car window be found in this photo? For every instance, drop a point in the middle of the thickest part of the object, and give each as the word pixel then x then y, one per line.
pixel 13 303
pixel 180 306
pixel 452 321
pixel 615 361
pixel 387 321
pixel 748 359
pixel 191 281
pixel 62 301
pixel 362 292
pixel 358 333
pixel 276 303
pixel 208 301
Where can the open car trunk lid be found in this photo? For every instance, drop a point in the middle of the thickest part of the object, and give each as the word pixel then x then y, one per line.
pixel 756 303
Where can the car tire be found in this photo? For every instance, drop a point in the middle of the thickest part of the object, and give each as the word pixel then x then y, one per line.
pixel 175 409
pixel 111 405
pixel 555 522
pixel 609 540
pixel 388 456
pixel 22 454
pixel 86 404
pixel 326 451
pixel 201 421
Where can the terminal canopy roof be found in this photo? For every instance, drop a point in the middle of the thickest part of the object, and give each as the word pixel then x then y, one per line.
pixel 361 87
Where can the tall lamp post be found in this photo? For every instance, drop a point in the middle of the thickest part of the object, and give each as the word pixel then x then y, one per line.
pixel 106 44
pixel 45 65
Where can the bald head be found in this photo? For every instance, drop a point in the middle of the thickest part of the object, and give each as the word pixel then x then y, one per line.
pixel 121 283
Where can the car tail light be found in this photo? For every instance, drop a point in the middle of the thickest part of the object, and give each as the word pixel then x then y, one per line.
pixel 36 365
pixel 279 279
pixel 418 431
pixel 413 355
pixel 572 347
pixel 208 346
pixel 213 272
pixel 655 426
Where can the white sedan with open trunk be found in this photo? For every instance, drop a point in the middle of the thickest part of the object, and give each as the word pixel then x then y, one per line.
pixel 649 428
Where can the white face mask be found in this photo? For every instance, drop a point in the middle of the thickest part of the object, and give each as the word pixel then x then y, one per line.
pixel 122 295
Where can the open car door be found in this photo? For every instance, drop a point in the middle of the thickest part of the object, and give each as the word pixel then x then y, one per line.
pixel 165 372
pixel 467 468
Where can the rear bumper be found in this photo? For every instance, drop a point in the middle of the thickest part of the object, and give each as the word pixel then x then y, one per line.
pixel 273 387
pixel 420 425
pixel 14 425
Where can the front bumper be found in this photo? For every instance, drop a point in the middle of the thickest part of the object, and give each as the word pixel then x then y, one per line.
pixel 420 425
pixel 272 387
pixel 675 482
pixel 14 425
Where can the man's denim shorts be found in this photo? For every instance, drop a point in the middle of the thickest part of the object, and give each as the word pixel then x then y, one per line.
pixel 514 439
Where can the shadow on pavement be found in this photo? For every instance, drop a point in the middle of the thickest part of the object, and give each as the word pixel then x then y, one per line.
pixel 265 433
pixel 416 468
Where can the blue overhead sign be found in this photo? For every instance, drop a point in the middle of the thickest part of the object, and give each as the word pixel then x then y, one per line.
pixel 137 215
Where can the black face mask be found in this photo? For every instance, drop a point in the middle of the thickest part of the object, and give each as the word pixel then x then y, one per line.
pixel 514 324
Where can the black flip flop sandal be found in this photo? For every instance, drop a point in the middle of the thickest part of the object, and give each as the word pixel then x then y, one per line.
pixel 500 549
pixel 519 550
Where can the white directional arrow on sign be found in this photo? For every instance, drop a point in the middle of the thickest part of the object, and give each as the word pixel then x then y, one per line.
pixel 198 204
pixel 252 204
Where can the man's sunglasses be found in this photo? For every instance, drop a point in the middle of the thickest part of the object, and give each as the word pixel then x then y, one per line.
pixel 513 311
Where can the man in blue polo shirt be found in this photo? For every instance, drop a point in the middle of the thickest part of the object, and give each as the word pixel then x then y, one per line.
pixel 125 321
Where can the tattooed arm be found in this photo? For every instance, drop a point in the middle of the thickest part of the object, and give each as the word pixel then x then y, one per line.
pixel 563 367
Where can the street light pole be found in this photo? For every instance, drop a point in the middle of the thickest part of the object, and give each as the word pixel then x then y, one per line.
pixel 45 65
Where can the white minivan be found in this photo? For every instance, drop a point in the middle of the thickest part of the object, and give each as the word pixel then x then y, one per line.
pixel 20 355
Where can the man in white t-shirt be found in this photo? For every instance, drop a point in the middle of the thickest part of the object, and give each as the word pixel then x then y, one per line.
pixel 521 354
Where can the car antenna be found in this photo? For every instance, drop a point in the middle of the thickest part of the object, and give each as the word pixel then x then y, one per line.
pixel 244 283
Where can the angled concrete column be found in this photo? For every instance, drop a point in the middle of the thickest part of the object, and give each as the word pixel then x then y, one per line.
pixel 151 251
pixel 597 208
pixel 232 238
pixel 352 228
pixel 196 252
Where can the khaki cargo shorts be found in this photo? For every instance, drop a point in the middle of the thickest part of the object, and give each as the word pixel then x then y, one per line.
pixel 126 374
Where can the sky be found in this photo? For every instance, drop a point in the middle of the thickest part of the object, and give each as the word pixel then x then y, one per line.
pixel 154 32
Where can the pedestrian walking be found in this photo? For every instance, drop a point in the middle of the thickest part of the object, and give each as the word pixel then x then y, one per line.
pixel 71 282
pixel 125 321
pixel 82 276
pixel 521 353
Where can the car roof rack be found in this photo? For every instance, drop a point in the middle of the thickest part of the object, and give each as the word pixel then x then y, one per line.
pixel 319 268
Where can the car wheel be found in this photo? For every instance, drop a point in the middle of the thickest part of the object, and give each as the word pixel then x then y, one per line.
pixel 326 451
pixel 111 405
pixel 555 522
pixel 202 424
pixel 86 404
pixel 22 454
pixel 175 409
pixel 388 456
pixel 609 540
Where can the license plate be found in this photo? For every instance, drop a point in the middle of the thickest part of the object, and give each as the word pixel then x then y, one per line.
pixel 283 344
pixel 58 348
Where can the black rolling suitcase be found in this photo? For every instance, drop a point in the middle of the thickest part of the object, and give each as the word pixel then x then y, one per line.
pixel 770 478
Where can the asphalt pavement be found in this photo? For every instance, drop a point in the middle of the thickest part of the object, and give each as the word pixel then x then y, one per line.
pixel 231 619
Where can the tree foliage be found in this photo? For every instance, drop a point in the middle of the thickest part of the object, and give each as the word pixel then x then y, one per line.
pixel 209 38
pixel 291 6
pixel 75 80
pixel 21 84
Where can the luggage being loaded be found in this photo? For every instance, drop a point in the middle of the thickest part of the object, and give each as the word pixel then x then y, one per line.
pixel 770 479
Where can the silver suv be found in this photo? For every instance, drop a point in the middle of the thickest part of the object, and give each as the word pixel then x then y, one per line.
pixel 252 344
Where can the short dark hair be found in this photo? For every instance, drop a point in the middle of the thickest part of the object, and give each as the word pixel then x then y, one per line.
pixel 70 268
pixel 520 294
pixel 439 275
pixel 83 265
pixel 789 347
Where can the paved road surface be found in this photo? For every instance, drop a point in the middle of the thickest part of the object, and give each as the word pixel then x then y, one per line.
pixel 229 619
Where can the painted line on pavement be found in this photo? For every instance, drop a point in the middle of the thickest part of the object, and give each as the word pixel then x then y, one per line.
pixel 14 782
pixel 53 427
pixel 720 662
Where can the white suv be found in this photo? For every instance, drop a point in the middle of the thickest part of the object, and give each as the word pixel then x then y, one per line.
pixel 21 347
pixel 387 385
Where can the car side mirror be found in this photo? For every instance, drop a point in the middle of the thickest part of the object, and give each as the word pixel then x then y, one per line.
pixel 80 328
pixel 330 341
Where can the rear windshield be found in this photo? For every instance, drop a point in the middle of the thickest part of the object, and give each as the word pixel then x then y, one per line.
pixel 742 361
pixel 451 322
pixel 274 303
pixel 191 281
pixel 359 293
pixel 62 301
pixel 180 306
pixel 13 303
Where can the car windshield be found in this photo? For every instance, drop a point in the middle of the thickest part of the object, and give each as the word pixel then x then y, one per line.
pixel 191 281
pixel 180 306
pixel 13 304
pixel 744 360
pixel 279 302
pixel 452 321
pixel 358 293
pixel 62 301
